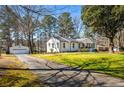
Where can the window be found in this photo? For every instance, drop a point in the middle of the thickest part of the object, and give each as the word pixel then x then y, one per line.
pixel 88 45
pixel 49 44
pixel 58 45
pixel 78 45
pixel 63 45
pixel 73 45
pixel 83 45
pixel 52 45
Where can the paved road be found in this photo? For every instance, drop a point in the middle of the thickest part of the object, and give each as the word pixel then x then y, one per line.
pixel 57 78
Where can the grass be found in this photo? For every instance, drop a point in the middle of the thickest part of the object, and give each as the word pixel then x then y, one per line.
pixel 9 61
pixel 16 78
pixel 112 64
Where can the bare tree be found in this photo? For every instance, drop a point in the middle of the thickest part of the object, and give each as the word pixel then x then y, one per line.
pixel 78 26
pixel 24 22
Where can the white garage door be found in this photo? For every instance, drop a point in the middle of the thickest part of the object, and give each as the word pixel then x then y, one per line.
pixel 20 51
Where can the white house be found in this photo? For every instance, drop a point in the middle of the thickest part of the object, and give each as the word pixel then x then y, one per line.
pixel 56 44
pixel 60 44
pixel 19 49
pixel 53 45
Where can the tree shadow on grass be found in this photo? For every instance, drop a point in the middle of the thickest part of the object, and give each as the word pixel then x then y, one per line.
pixel 68 76
pixel 71 77
pixel 79 76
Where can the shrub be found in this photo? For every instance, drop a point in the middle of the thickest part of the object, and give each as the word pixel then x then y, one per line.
pixel 85 50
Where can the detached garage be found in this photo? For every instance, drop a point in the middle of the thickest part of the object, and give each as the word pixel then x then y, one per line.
pixel 19 50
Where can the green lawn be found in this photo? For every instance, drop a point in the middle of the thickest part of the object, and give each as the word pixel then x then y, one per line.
pixel 112 64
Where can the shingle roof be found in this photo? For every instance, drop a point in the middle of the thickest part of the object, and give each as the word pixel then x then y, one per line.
pixel 80 40
pixel 84 40
pixel 62 39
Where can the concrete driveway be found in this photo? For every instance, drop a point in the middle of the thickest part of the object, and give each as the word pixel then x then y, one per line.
pixel 56 75
pixel 36 63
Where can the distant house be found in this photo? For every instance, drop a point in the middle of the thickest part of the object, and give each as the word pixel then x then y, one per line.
pixel 56 44
pixel 60 44
pixel 19 49
pixel 101 43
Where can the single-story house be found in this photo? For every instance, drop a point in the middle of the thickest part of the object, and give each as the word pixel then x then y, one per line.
pixel 60 44
pixel 56 44
pixel 19 49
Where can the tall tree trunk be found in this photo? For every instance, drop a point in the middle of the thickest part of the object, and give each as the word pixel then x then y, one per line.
pixel 29 44
pixel 32 42
pixel 8 43
pixel 111 45
pixel 17 38
pixel 0 51
pixel 119 40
